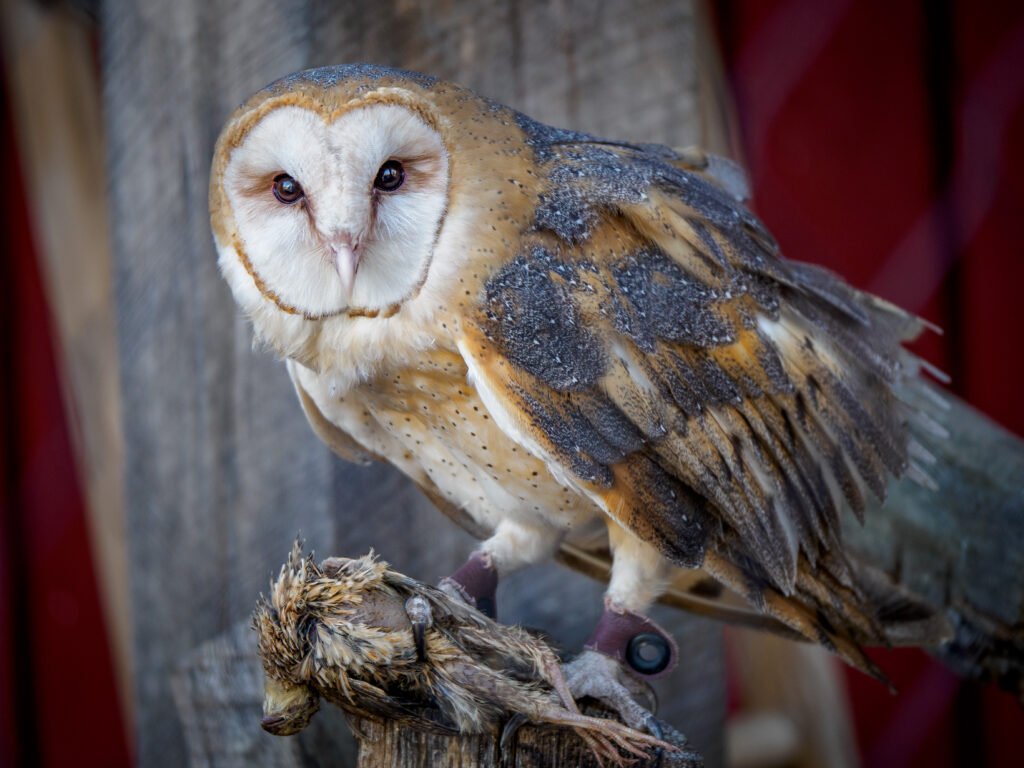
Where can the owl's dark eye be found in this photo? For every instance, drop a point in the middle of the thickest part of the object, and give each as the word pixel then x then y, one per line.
pixel 286 189
pixel 390 176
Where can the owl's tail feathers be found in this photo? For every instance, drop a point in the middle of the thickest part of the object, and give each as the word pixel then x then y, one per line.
pixel 905 619
pixel 799 615
pixel 974 646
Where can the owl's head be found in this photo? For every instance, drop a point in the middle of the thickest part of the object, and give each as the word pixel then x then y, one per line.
pixel 328 191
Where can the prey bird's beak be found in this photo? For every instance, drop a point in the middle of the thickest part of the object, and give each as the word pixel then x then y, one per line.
pixel 346 260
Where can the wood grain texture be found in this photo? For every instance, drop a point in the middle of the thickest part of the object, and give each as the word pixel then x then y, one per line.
pixel 222 470
pixel 384 744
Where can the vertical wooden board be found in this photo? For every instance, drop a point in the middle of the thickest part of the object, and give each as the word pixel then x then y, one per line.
pixel 222 470
pixel 218 690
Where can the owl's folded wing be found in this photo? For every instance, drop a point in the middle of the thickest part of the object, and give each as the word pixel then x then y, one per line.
pixel 723 404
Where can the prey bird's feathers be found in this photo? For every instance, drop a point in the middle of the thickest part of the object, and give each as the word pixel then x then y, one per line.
pixel 343 630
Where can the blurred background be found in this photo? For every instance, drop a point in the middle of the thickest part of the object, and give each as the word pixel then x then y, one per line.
pixel 156 467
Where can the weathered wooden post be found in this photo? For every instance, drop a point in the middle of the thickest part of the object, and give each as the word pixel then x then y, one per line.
pixel 222 470
pixel 383 744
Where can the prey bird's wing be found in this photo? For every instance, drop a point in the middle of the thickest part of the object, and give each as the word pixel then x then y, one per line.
pixel 368 700
pixel 722 403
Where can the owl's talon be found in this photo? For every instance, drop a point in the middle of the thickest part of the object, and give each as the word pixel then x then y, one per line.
pixel 653 727
pixel 456 591
pixel 603 678
pixel 517 721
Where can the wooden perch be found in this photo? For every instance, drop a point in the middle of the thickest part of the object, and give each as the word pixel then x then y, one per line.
pixel 387 743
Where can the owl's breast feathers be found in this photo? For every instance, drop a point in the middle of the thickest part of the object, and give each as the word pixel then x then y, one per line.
pixel 719 401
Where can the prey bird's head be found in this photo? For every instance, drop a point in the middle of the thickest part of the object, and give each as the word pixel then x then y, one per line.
pixel 287 707
pixel 321 627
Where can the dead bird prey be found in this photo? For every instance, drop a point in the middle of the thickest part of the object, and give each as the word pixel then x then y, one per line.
pixel 378 643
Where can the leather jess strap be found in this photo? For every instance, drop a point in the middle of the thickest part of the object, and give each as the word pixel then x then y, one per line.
pixel 477 580
pixel 646 648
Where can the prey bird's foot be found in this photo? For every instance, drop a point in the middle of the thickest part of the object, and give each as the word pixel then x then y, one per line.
pixel 475 584
pixel 603 678
pixel 595 675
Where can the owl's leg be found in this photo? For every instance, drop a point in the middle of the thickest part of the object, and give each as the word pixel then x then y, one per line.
pixel 626 647
pixel 513 545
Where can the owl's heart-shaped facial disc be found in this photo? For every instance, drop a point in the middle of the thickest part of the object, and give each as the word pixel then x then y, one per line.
pixel 335 210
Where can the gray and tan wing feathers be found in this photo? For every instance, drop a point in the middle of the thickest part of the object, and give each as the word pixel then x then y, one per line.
pixel 720 402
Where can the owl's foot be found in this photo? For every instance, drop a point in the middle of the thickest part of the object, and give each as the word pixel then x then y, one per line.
pixel 623 649
pixel 475 584
pixel 609 739
pixel 603 678
pixel 421 618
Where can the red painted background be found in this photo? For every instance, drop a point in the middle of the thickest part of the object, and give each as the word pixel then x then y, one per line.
pixel 886 141
pixel 58 697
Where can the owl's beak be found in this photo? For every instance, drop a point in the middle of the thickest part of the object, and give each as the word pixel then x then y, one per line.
pixel 346 260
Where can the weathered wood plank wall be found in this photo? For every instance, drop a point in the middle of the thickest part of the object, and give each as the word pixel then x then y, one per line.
pixel 222 470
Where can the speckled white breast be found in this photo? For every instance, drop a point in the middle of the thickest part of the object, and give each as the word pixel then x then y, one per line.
pixel 430 422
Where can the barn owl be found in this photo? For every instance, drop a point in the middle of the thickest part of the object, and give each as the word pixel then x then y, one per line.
pixel 575 346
